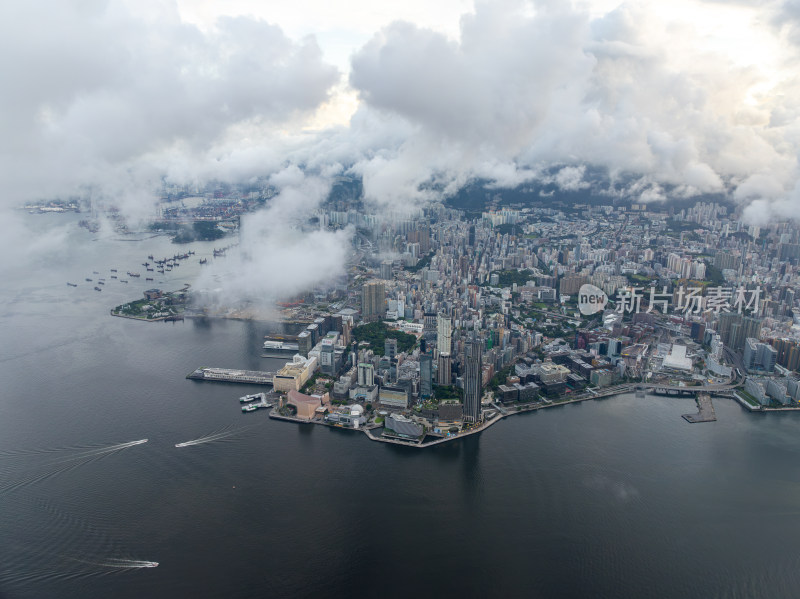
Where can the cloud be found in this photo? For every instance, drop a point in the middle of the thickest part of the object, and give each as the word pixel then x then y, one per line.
pixel 98 96
pixel 279 255
pixel 523 91
pixel 107 99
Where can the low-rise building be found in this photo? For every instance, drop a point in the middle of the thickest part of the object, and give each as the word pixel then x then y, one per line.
pixel 403 426
pixel 549 372
pixel 450 410
pixel 393 397
pixel 294 374
pixel 507 393
pixel 603 377
pixel 350 416
pixel 306 405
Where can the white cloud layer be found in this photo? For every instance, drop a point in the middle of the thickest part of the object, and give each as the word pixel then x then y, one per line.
pixel 106 99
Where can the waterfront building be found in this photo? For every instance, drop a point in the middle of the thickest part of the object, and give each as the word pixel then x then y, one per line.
pixel 403 426
pixel 602 377
pixel 305 342
pixel 306 405
pixel 294 374
pixel 756 389
pixel 507 393
pixel 450 410
pixel 349 416
pixel 473 379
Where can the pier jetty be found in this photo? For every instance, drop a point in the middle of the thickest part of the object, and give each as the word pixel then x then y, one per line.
pixel 230 375
pixel 705 410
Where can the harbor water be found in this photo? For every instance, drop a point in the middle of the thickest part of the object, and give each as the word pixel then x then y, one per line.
pixel 618 497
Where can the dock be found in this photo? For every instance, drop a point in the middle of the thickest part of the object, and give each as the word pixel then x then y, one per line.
pixel 230 375
pixel 705 410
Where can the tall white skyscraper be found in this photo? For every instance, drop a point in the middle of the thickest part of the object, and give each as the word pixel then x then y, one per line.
pixel 444 333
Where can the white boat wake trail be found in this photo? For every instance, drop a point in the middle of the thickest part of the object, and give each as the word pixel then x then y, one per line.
pixel 100 451
pixel 66 464
pixel 128 563
pixel 217 436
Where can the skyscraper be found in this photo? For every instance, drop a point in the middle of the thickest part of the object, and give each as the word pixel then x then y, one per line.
pixel 444 373
pixel 751 327
pixel 366 375
pixel 473 375
pixel 425 375
pixel 386 270
pixel 390 348
pixel 725 322
pixel 444 333
pixel 373 301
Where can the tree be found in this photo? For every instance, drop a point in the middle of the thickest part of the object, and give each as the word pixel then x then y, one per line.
pixel 376 333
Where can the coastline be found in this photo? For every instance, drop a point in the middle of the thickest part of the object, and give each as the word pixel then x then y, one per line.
pixel 503 413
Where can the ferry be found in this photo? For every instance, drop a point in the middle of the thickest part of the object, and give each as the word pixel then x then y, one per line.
pixel 252 397
pixel 249 408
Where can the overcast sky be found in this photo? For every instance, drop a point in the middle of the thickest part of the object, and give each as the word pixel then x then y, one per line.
pixel 108 96
pixel 683 97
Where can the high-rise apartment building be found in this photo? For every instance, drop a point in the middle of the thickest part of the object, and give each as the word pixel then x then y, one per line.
pixel 444 333
pixel 373 301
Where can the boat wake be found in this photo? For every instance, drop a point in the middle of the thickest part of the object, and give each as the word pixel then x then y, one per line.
pixel 128 563
pixel 217 436
pixel 63 465
pixel 101 451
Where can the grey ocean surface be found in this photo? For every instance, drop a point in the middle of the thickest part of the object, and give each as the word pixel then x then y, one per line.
pixel 612 498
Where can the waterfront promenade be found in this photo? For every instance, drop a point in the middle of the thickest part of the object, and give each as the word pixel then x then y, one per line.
pixel 705 412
